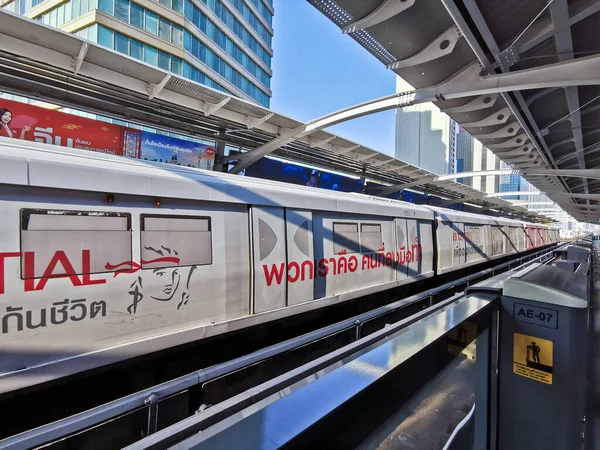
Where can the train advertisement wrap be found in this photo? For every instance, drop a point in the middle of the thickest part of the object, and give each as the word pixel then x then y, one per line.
pixel 32 123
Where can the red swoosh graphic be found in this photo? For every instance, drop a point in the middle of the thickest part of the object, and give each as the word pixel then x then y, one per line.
pixel 133 267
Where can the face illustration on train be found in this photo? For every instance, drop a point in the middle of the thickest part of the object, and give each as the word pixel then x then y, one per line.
pixel 171 279
pixel 168 283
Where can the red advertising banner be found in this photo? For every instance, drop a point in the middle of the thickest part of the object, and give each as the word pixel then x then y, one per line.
pixel 32 123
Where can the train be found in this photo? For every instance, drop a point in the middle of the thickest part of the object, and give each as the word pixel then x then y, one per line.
pixel 105 258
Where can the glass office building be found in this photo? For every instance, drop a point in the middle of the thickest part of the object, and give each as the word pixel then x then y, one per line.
pixel 224 44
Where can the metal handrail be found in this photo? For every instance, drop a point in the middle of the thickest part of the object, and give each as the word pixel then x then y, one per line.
pixel 150 397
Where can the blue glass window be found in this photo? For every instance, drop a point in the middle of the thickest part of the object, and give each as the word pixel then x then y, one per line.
pixel 176 65
pixel 107 6
pixel 136 49
pixel 137 16
pixel 177 35
pixel 164 29
pixel 151 23
pixel 150 55
pixel 121 43
pixel 105 37
pixel 164 60
pixel 178 6
pixel 122 10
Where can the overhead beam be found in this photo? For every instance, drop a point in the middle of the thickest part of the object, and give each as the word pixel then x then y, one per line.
pixel 525 203
pixel 442 45
pixel 467 83
pixel 515 193
pixel 478 173
pixel 386 10
pixel 399 187
pixel 559 12
pixel 252 122
pixel 154 89
pixel 78 61
pixel 211 108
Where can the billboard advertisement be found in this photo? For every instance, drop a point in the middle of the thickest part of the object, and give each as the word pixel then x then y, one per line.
pixel 166 149
pixel 32 123
pixel 287 172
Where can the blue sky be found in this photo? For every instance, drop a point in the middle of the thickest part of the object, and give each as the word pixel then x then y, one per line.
pixel 318 70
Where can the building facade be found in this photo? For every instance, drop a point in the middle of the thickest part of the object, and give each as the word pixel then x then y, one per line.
pixel 224 44
pixel 464 155
pixel 425 136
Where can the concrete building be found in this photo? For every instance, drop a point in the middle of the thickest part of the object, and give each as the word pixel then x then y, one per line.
pixel 425 136
pixel 224 44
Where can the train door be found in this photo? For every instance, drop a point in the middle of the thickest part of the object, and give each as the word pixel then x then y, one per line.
pixel 529 238
pixel 475 243
pixel 269 258
pixel 420 245
pixel 300 256
pixel 498 245
pixel 401 245
pixel 459 251
pixel 513 240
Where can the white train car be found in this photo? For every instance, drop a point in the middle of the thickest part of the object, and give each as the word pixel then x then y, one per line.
pixel 103 258
pixel 466 239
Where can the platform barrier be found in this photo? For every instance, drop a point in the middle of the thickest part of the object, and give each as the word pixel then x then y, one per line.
pixel 526 330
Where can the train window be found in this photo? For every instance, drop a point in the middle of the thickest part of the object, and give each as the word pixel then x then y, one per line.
pixel 169 241
pixel 74 242
pixel 267 239
pixel 370 237
pixel 345 238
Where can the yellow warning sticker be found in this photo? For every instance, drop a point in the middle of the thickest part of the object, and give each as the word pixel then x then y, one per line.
pixel 533 358
pixel 460 337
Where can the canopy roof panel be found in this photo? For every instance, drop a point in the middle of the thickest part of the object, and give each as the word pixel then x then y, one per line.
pixel 428 42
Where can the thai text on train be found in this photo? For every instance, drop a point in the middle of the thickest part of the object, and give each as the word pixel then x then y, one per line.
pixel 340 264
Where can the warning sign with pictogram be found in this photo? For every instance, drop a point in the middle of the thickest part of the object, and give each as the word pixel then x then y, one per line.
pixel 533 358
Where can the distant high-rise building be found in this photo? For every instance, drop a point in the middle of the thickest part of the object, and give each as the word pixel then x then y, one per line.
pixel 472 156
pixel 425 136
pixel 464 154
pixel 224 44
pixel 509 183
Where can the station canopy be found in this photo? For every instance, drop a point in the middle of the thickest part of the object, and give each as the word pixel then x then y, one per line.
pixel 54 66
pixel 543 118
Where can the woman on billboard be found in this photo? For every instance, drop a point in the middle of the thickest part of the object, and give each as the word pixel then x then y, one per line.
pixel 5 119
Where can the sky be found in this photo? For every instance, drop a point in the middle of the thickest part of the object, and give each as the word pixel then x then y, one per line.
pixel 318 70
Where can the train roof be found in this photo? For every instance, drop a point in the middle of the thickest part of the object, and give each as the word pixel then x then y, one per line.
pixel 35 164
pixel 462 216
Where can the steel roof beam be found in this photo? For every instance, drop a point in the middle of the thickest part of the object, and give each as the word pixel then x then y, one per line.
pixel 490 41
pixel 399 187
pixel 386 10
pixel 478 173
pixel 559 12
pixel 467 83
pixel 78 61
pixel 442 45
pixel 483 28
pixel 550 28
pixel 478 103
pixel 514 193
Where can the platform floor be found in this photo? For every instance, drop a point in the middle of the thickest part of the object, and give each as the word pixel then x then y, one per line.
pixel 432 414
